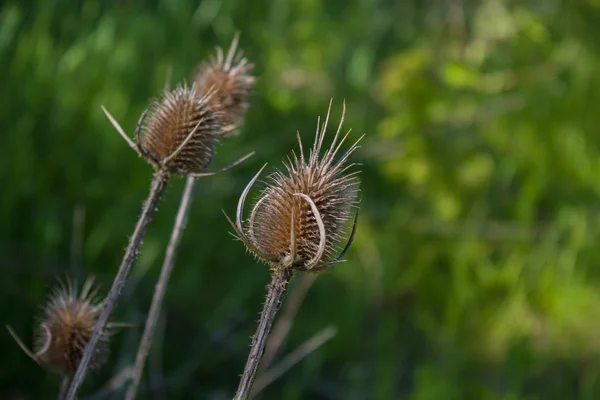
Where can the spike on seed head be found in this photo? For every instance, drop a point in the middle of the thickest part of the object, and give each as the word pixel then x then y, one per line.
pixel 67 326
pixel 181 130
pixel 300 218
pixel 229 76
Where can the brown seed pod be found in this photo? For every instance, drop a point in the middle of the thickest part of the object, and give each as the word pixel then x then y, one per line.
pixel 65 329
pixel 229 77
pixel 181 131
pixel 300 218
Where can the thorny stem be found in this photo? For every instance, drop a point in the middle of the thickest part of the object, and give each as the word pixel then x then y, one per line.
pixel 161 287
pixel 157 187
pixel 275 292
pixel 285 321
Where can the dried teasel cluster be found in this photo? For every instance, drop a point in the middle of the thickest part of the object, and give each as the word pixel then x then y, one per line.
pixel 298 223
pixel 299 219
pixel 65 328
pixel 183 126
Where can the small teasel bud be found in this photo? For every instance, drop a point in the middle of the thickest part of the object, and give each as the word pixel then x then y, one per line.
pixel 181 131
pixel 229 77
pixel 66 327
pixel 300 218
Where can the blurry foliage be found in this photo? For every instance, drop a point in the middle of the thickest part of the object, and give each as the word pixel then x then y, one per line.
pixel 474 271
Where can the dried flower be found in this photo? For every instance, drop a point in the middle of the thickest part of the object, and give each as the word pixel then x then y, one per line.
pixel 65 329
pixel 300 217
pixel 181 131
pixel 297 224
pixel 231 81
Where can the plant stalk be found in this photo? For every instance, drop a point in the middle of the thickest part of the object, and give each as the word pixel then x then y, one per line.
pixel 161 287
pixel 285 321
pixel 275 292
pixel 157 187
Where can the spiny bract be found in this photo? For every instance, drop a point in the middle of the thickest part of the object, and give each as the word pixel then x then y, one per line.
pixel 300 218
pixel 229 77
pixel 66 327
pixel 182 127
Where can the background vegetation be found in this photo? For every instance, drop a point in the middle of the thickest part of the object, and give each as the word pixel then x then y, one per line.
pixel 474 274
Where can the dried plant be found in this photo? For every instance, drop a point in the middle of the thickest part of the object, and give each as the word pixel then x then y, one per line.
pixel 229 84
pixel 65 328
pixel 297 225
pixel 179 137
pixel 229 77
pixel 181 131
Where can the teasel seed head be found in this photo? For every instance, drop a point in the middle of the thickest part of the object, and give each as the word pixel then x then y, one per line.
pixel 65 328
pixel 300 218
pixel 229 77
pixel 181 131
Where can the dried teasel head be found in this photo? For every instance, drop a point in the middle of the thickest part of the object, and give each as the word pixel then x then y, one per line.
pixel 300 218
pixel 65 329
pixel 181 131
pixel 229 77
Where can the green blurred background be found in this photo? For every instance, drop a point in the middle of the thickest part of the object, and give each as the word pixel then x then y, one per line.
pixel 474 273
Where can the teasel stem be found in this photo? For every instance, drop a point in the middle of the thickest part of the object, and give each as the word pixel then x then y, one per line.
pixel 285 321
pixel 157 188
pixel 161 287
pixel 276 290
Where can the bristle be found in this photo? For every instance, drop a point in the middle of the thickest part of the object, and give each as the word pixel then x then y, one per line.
pixel 231 81
pixel 183 128
pixel 66 327
pixel 318 182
